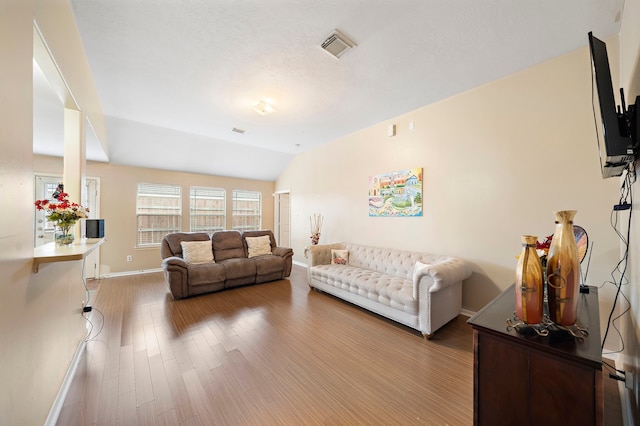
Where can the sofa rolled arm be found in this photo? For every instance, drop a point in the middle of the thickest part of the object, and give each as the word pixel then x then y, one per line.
pixel 442 274
pixel 321 254
pixel 176 276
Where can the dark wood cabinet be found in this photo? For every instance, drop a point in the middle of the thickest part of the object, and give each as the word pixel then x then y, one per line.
pixel 521 378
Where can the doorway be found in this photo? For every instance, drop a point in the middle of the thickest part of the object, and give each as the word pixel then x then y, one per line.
pixel 282 218
pixel 45 186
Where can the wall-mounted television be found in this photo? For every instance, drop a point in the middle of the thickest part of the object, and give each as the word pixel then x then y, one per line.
pixel 619 146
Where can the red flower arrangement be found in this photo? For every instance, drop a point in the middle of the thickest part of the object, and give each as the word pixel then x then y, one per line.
pixel 63 213
pixel 542 248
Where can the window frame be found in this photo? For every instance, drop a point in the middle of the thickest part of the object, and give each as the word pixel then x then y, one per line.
pixel 213 193
pixel 154 190
pixel 235 198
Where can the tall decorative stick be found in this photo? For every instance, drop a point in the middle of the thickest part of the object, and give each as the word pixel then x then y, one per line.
pixel 315 223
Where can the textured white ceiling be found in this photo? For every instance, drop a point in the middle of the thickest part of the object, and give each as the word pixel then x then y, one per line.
pixel 175 76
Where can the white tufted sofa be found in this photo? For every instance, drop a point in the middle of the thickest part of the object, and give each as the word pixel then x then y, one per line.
pixel 387 282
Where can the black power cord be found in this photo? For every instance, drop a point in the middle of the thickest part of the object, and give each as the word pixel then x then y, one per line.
pixel 625 193
pixel 87 308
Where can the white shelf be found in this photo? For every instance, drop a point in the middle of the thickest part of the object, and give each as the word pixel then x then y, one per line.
pixel 51 252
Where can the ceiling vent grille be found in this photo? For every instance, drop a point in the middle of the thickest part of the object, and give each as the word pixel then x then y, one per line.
pixel 336 44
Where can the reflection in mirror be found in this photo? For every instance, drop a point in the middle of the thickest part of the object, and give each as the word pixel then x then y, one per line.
pixel 48 122
pixel 51 95
pixel 48 117
pixel 94 149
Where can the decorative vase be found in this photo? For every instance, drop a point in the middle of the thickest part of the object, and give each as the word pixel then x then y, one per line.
pixel 563 271
pixel 63 235
pixel 315 238
pixel 529 283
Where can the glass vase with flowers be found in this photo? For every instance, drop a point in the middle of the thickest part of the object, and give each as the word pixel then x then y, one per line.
pixel 64 214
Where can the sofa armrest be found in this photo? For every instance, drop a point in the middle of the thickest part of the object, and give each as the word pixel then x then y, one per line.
pixel 450 271
pixel 287 254
pixel 282 251
pixel 172 261
pixel 321 254
pixel 176 276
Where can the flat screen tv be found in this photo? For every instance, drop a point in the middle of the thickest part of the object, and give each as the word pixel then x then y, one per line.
pixel 619 145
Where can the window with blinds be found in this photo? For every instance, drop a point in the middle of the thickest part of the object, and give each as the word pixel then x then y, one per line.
pixel 208 209
pixel 246 214
pixel 159 212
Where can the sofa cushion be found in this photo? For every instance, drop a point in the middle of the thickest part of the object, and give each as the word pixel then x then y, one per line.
pixel 258 246
pixel 267 265
pixel 197 251
pixel 260 233
pixel 205 273
pixel 393 291
pixel 400 263
pixel 239 268
pixel 175 239
pixel 339 257
pixel 227 245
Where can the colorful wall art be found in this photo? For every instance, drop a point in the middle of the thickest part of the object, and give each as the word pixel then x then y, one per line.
pixel 396 194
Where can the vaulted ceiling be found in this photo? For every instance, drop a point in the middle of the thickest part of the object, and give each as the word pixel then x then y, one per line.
pixel 175 77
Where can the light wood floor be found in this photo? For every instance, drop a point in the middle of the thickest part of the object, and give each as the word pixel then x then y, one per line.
pixel 270 354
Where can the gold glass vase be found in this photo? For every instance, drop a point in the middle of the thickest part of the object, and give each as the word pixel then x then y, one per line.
pixel 563 273
pixel 529 283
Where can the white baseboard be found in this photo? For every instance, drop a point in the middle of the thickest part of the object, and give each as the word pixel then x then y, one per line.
pixel 58 402
pixel 304 265
pixel 625 394
pixel 127 273
pixel 467 313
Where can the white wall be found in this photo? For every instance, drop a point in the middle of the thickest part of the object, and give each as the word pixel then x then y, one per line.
pixel 498 160
pixel 630 321
pixel 40 314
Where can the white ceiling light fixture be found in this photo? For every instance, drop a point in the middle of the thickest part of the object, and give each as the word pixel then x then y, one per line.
pixel 336 44
pixel 263 107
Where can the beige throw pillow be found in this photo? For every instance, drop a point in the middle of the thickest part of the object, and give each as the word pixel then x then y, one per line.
pixel 339 257
pixel 259 246
pixel 197 251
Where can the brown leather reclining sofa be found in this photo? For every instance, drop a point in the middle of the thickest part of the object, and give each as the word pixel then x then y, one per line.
pixel 231 265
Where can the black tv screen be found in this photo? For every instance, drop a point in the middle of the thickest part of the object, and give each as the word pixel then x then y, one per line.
pixel 616 151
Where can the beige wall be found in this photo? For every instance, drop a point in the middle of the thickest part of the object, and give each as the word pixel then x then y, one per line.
pixel 57 24
pixel 40 318
pixel 630 322
pixel 498 160
pixel 119 185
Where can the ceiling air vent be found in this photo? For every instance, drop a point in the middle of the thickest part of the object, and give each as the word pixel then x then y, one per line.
pixel 337 44
pixel 237 130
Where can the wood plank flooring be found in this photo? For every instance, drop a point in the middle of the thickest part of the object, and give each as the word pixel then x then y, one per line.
pixel 270 354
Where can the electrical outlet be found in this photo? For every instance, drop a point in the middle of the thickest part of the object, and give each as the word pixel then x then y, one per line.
pixel 129 258
pixel 628 381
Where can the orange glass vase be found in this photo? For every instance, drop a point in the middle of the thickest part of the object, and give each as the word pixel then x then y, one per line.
pixel 529 283
pixel 563 273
